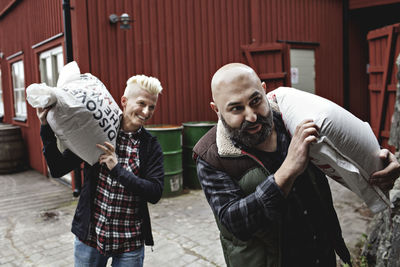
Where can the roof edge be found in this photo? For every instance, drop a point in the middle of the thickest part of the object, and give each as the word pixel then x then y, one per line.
pixel 8 7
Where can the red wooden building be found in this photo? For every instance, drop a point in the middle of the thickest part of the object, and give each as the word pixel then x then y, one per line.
pixel 317 45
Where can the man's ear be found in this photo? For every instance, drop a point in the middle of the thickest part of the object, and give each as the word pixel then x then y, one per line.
pixel 214 107
pixel 123 101
pixel 264 86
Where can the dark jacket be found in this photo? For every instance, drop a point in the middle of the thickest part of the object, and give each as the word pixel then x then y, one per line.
pixel 148 184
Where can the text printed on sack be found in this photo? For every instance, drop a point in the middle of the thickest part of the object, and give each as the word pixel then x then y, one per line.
pixel 99 105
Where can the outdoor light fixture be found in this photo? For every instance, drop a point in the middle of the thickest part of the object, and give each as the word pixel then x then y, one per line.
pixel 125 20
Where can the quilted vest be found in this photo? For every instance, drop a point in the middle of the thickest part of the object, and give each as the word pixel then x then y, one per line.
pixel 248 172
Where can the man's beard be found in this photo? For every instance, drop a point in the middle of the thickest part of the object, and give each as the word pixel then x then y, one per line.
pixel 243 137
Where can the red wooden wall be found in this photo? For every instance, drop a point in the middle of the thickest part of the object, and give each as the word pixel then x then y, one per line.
pixel 308 21
pixel 26 24
pixel 183 42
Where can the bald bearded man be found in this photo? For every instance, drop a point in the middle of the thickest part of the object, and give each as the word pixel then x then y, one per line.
pixel 272 207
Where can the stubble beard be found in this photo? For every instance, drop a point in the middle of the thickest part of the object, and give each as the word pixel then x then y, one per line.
pixel 243 137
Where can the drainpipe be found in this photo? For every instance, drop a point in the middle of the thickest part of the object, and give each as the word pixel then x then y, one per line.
pixel 77 176
pixel 346 69
pixel 67 30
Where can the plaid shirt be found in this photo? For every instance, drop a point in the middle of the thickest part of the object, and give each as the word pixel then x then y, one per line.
pixel 115 226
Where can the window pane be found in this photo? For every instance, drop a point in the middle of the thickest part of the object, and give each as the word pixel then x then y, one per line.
pixel 22 75
pixel 14 74
pixel 42 70
pixel 23 103
pixel 51 62
pixel 16 102
pixel 60 62
pixel 19 89
pixel 49 72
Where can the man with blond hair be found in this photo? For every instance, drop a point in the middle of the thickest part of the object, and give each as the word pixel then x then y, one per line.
pixel 112 218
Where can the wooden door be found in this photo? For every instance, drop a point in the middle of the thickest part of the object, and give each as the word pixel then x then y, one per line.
pixel 383 49
pixel 271 62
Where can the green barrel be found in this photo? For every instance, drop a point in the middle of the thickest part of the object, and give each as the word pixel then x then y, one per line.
pixel 192 132
pixel 170 138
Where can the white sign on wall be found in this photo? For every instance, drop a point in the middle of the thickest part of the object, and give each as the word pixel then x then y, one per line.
pixel 294 74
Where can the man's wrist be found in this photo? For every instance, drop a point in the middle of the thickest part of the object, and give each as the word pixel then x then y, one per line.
pixel 284 178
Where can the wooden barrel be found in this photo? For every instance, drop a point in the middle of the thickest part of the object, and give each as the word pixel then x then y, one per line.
pixel 12 149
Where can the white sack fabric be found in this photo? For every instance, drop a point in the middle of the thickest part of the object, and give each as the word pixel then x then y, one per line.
pixel 83 114
pixel 347 150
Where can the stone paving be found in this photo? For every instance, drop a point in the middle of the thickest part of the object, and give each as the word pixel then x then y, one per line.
pixel 36 214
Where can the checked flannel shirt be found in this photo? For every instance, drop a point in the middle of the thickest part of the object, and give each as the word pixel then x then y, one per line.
pixel 115 226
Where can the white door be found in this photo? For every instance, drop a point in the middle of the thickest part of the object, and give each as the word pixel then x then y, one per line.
pixel 302 69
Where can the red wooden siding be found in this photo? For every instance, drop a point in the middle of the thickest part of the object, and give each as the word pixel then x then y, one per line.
pixel 26 24
pixel 183 42
pixel 180 42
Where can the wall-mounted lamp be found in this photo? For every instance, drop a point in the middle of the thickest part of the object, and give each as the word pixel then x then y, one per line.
pixel 125 20
pixel 1 55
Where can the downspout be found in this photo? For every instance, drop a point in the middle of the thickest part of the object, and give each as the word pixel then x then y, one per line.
pixel 346 69
pixel 77 172
pixel 67 30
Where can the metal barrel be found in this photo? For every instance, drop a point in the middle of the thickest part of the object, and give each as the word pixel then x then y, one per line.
pixel 192 132
pixel 170 139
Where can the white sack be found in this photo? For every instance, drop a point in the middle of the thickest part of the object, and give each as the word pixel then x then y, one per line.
pixel 347 150
pixel 84 112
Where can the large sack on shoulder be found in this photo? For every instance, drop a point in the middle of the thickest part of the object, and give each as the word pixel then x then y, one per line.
pixel 347 149
pixel 83 114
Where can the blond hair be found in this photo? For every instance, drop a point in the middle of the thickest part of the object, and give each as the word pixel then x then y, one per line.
pixel 150 84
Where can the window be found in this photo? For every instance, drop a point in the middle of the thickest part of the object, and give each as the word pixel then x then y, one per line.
pixel 18 81
pixel 302 69
pixel 1 99
pixel 51 63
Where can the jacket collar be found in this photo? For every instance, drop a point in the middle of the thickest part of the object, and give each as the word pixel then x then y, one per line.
pixel 225 146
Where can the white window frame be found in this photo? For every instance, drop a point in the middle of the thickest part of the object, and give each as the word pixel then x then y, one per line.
pixel 53 56
pixel 18 83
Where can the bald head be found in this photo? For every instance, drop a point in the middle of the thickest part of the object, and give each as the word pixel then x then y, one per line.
pixel 233 74
pixel 241 104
